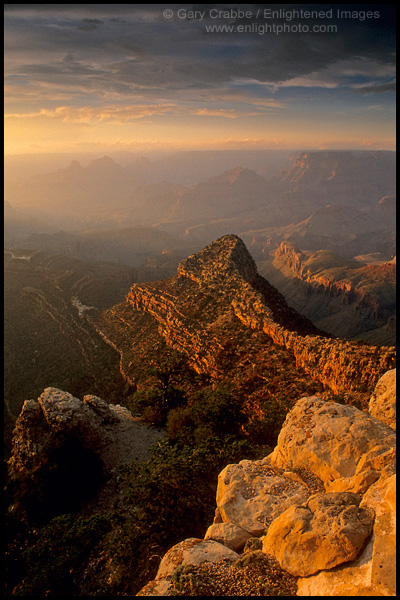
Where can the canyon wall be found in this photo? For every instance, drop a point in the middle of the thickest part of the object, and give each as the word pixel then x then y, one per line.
pixel 223 278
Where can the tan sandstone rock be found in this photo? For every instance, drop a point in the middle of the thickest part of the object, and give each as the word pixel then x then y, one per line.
pixel 191 551
pixel 230 535
pixel 329 529
pixel 158 587
pixel 343 446
pixel 382 404
pixel 373 573
pixel 251 494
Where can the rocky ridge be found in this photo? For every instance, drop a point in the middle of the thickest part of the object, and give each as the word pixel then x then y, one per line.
pixel 322 506
pixel 222 280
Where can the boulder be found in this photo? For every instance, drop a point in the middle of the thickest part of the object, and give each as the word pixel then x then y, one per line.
pixel 345 447
pixel 328 530
pixel 230 535
pixel 252 494
pixel 30 431
pixel 66 415
pixel 382 404
pixel 191 551
pixel 110 431
pixel 373 573
pixel 381 497
pixel 104 411
pixel 158 587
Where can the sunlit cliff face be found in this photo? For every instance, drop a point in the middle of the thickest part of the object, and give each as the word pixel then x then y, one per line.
pixel 217 299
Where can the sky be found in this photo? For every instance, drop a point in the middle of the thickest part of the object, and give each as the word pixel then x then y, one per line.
pixel 136 77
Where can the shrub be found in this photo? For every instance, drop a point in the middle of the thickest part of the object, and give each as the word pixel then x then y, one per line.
pixel 180 424
pixel 172 497
pixel 219 410
pixel 265 429
pixel 65 474
pixel 58 552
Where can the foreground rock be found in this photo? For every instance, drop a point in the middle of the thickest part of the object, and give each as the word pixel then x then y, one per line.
pixel 191 552
pixel 108 432
pixel 322 504
pixel 374 571
pixel 230 535
pixel 251 494
pixel 382 404
pixel 347 448
pixel 329 529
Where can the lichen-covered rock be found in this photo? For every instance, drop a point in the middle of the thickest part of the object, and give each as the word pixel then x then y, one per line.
pixel 345 447
pixel 328 530
pixel 158 587
pixel 373 573
pixel 230 535
pixel 191 551
pixel 382 404
pixel 251 494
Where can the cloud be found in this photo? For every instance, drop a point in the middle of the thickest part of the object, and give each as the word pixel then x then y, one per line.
pixel 376 89
pixel 219 112
pixel 121 63
pixel 341 74
pixel 90 24
pixel 142 50
pixel 89 114
pixel 122 114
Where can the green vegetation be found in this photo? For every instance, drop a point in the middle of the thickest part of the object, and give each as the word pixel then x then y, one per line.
pixel 63 475
pixel 173 494
pixel 162 392
pixel 57 553
pixel 265 430
pixel 50 546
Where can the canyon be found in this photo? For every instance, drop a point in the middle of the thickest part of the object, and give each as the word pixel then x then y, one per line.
pixel 343 201
pixel 348 298
pixel 186 332
pixel 253 374
pixel 218 292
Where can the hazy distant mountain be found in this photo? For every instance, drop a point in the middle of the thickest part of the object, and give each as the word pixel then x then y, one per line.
pixel 104 179
pixel 18 225
pixel 129 246
pixel 189 167
pixel 237 191
pixel 150 202
pixel 316 179
pixel 359 177
pixel 340 228
pixel 75 191
pixel 338 200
